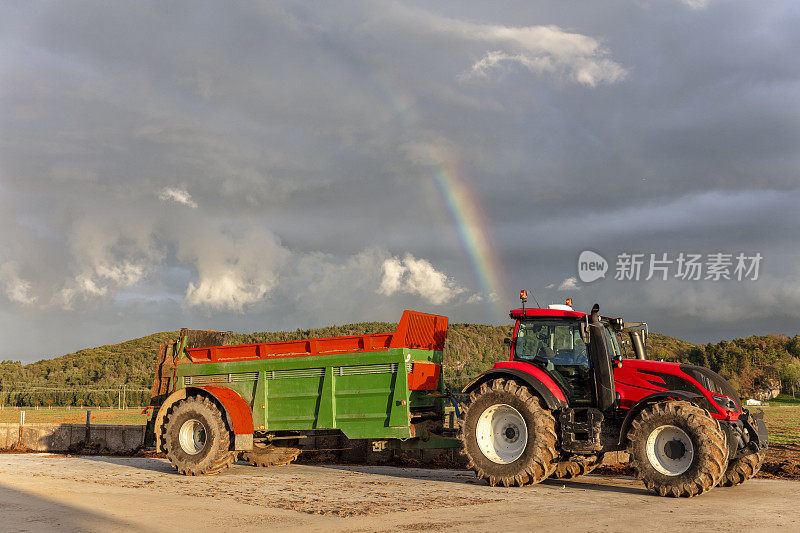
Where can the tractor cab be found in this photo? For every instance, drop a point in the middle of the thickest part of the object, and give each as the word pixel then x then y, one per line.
pixel 575 349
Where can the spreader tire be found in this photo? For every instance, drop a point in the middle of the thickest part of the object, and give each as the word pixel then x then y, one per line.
pixel 573 468
pixel 271 455
pixel 741 469
pixel 677 449
pixel 197 440
pixel 507 437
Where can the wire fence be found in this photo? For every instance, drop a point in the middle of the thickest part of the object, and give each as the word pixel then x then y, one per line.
pixel 58 396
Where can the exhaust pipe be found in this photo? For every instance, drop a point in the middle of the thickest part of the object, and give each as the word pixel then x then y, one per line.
pixel 637 341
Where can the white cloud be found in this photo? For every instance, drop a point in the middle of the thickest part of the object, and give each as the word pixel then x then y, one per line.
pixel 569 284
pixel 419 277
pixel 541 50
pixel 226 289
pixel 108 251
pixel 16 289
pixel 475 298
pixel 236 267
pixel 177 195
pixel 393 272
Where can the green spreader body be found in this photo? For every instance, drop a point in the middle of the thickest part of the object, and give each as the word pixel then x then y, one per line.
pixel 380 386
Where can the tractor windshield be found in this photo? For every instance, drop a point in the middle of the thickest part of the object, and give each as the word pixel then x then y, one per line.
pixel 556 346
pixel 551 341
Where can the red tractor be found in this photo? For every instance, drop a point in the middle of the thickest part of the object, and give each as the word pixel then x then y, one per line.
pixel 566 396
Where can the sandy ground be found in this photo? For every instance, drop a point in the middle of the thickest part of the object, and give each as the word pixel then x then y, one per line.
pixel 42 492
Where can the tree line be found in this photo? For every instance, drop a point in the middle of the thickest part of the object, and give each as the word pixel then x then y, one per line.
pixel 93 376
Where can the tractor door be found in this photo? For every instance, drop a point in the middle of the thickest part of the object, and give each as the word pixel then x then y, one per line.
pixel 555 345
pixel 603 347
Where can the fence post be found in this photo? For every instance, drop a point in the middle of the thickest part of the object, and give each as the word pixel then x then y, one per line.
pixel 88 426
pixel 21 425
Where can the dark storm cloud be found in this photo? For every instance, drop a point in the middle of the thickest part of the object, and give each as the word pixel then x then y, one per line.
pixel 260 166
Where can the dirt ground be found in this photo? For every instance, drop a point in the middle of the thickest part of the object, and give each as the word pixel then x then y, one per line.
pixel 43 492
pixel 781 462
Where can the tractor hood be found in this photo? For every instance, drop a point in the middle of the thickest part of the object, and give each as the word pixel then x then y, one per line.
pixel 638 378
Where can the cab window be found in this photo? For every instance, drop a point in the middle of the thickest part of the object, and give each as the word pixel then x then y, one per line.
pixel 611 342
pixel 557 347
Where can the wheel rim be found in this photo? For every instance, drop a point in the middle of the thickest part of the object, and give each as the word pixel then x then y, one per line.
pixel 502 434
pixel 670 450
pixel 192 437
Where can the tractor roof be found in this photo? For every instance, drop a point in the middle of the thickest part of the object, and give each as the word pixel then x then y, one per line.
pixel 554 313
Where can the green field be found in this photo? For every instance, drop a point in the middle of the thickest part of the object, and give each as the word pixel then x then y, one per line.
pixel 783 423
pixel 785 400
pixel 75 415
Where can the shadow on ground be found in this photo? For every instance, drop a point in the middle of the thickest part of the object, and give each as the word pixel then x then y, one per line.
pixel 466 477
pixel 141 463
pixel 23 511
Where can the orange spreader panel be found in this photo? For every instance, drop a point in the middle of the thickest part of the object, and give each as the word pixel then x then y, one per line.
pixel 415 330
pixel 424 375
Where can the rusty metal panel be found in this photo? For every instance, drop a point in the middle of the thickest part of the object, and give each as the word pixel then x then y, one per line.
pixel 201 338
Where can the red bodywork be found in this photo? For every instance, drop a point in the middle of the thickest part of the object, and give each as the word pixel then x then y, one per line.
pixel 239 410
pixel 637 379
pixel 537 373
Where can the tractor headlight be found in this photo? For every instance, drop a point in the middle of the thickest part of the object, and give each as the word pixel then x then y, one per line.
pixel 724 401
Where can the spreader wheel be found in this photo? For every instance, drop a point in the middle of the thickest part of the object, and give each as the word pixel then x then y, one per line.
pixel 508 438
pixel 197 441
pixel 741 469
pixel 271 454
pixel 677 449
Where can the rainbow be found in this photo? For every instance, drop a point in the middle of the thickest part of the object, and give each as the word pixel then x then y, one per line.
pixel 463 206
pixel 465 210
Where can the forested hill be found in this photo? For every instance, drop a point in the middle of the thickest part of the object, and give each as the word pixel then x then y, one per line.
pixel 470 349
pixel 79 376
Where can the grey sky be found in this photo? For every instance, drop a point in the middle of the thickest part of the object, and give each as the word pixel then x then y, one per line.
pixel 261 166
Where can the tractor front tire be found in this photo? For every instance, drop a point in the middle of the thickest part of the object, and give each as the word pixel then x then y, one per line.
pixel 741 469
pixel 677 449
pixel 271 455
pixel 197 440
pixel 573 468
pixel 507 436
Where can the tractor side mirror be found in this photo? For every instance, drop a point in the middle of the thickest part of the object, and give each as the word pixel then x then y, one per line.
pixel 585 337
pixel 507 341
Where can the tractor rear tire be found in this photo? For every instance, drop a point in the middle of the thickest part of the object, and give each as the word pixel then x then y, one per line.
pixel 677 449
pixel 741 469
pixel 271 455
pixel 508 437
pixel 572 468
pixel 197 441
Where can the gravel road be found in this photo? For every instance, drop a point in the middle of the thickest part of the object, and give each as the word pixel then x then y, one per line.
pixel 43 492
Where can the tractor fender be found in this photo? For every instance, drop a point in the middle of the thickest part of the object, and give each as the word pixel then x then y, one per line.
pixel 651 399
pixel 237 413
pixel 541 389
